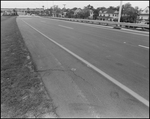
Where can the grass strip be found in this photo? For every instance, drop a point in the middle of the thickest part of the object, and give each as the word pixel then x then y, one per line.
pixel 23 94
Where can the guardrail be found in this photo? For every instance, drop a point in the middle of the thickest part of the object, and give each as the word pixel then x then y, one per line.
pixel 106 23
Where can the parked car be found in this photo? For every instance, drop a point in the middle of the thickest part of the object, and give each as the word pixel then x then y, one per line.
pixel 147 22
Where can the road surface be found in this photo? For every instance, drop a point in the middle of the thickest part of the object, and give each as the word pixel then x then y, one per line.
pixel 122 55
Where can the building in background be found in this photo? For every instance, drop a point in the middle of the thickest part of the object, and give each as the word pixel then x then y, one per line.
pixel 7 11
pixel 21 11
pixel 91 14
pixel 108 14
pixel 78 10
pixel 144 15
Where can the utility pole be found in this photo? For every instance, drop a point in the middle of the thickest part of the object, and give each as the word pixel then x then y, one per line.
pixel 64 10
pixel 53 9
pixel 120 8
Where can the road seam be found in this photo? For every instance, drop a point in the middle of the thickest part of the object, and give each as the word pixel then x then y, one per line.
pixel 132 93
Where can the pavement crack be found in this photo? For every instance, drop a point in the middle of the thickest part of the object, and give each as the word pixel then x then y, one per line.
pixel 49 71
pixel 81 78
pixel 45 70
pixel 85 82
pixel 62 70
pixel 78 76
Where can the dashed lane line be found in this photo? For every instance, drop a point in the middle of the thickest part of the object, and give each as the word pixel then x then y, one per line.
pixel 143 46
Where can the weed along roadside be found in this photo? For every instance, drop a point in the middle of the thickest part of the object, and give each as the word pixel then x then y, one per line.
pixel 22 91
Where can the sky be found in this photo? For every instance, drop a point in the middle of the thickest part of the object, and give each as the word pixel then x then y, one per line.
pixel 69 4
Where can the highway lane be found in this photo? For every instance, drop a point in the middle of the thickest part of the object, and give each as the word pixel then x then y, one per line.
pixel 130 39
pixel 115 53
pixel 134 41
pixel 102 27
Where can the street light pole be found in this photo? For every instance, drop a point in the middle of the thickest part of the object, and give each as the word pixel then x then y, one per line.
pixel 120 8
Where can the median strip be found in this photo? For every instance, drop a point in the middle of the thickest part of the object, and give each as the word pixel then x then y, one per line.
pixel 135 95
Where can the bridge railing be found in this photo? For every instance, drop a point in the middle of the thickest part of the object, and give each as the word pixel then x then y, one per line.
pixel 109 23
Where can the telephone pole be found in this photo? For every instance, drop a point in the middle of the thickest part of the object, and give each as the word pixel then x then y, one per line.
pixel 120 8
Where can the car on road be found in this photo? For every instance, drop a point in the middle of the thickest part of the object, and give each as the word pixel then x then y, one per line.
pixel 147 22
pixel 33 14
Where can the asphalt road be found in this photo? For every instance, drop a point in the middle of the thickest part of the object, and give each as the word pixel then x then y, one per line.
pixel 123 55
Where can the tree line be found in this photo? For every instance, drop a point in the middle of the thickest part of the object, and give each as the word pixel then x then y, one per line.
pixel 131 12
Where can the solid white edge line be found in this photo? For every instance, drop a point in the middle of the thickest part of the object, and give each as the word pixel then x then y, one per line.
pixel 103 27
pixel 144 46
pixel 135 31
pixel 132 93
pixel 65 26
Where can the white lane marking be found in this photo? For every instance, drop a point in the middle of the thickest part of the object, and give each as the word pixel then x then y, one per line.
pixel 124 42
pixel 143 46
pixel 135 31
pixel 65 26
pixel 138 64
pixel 103 27
pixel 134 94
